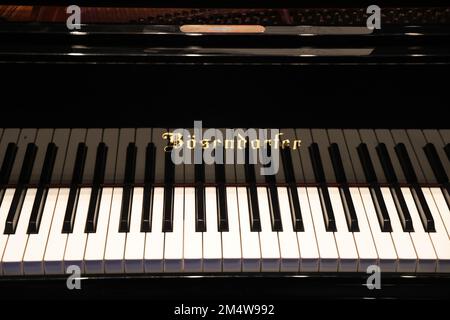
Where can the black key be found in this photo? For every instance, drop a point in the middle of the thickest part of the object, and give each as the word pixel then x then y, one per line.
pixel 252 194
pixel 374 188
pixel 344 191
pixel 96 193
pixel 438 170
pixel 21 190
pixel 42 191
pixel 169 174
pixel 325 202
pixel 435 163
pixel 447 150
pixel 127 196
pixel 149 179
pixel 200 205
pixel 396 192
pixel 221 195
pixel 7 165
pixel 405 163
pixel 386 163
pixel 419 198
pixel 74 193
pixel 294 204
pixel 274 205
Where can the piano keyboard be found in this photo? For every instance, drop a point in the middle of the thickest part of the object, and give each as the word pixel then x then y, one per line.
pixel 111 201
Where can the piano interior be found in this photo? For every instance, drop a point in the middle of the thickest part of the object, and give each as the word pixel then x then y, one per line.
pixel 363 150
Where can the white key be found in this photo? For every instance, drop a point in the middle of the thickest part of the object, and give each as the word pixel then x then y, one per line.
pixel 56 244
pixel 143 137
pixel 307 242
pixel 4 209
pixel 440 240
pixel 348 256
pixel 383 240
pixel 76 136
pixel 115 240
pixel 93 138
pixel 96 241
pixel 43 138
pixel 424 248
pixel 135 245
pixel 329 258
pixel 26 136
pixel 363 239
pixel 173 242
pixel 212 241
pixel 17 242
pixel 193 251
pixel 154 240
pixel 76 241
pixel 290 257
pixel 443 208
pixel 270 249
pixel 34 253
pixel 231 239
pixel 251 253
pixel 407 258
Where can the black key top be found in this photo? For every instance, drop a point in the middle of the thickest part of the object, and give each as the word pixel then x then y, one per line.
pixel 294 204
pixel 127 196
pixel 396 192
pixel 374 188
pixel 344 191
pixel 200 205
pixel 74 193
pixel 96 193
pixel 221 195
pixel 169 174
pixel 252 195
pixel 325 202
pixel 435 163
pixel 7 165
pixel 21 190
pixel 42 191
pixel 419 198
pixel 149 179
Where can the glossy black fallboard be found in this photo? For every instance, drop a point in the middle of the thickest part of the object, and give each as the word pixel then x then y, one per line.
pixel 224 95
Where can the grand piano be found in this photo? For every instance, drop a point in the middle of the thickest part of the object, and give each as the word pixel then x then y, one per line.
pixel 85 179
